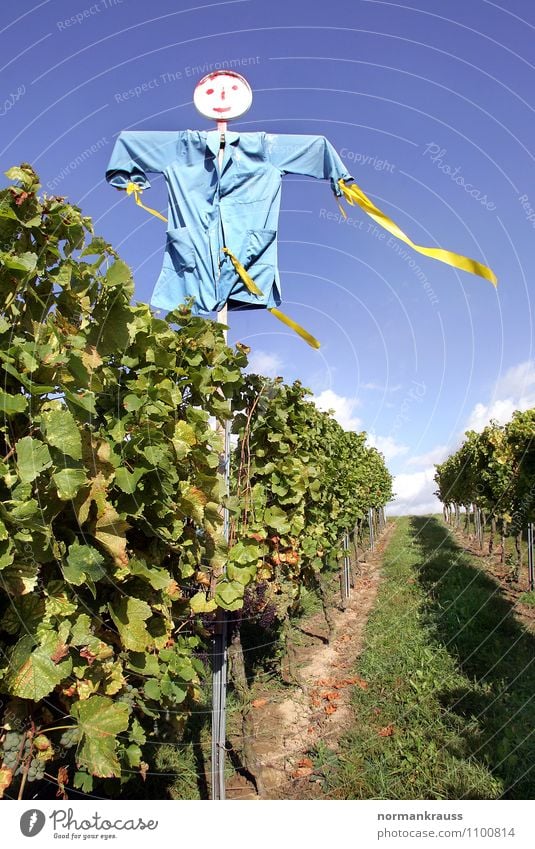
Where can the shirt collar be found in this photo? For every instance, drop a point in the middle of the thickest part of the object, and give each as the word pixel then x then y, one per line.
pixel 213 140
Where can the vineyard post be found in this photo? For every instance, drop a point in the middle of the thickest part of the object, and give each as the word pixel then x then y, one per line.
pixel 370 523
pixel 531 556
pixel 346 580
pixel 350 569
pixel 356 542
pixel 219 649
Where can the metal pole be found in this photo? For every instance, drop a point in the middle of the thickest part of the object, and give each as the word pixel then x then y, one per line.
pixel 219 648
pixel 372 534
pixel 349 569
pixel 219 663
pixel 531 556
pixel 347 574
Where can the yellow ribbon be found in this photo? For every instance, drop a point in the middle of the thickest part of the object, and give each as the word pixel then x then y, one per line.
pixel 134 189
pixel 353 194
pixel 289 322
pixel 242 273
pixel 251 285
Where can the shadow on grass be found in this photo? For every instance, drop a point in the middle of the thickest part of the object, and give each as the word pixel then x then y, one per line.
pixel 476 624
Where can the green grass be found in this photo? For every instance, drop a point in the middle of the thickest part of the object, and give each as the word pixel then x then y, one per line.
pixel 452 671
pixel 527 598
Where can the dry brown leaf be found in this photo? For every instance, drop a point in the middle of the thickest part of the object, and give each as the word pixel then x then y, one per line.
pixel 258 703
pixel 173 590
pixel 63 779
pixel 302 772
pixel 330 697
pixel 330 709
pixel 61 651
pixel 6 777
pixel 305 762
pixel 202 578
pixel 88 655
pixel 387 731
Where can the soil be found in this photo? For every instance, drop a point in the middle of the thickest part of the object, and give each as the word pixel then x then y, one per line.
pixel 289 723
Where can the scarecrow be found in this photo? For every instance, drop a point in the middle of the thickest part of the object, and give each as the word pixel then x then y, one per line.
pixel 224 194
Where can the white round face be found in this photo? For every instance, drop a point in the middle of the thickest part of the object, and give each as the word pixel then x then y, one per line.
pixel 223 95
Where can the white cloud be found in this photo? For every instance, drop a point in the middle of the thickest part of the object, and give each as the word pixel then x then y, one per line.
pixel 387 445
pixel 414 494
pixel 518 381
pixel 414 490
pixel 514 391
pixel 436 455
pixel 341 406
pixel 266 363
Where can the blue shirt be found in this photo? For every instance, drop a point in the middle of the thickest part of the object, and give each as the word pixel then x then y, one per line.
pixel 208 209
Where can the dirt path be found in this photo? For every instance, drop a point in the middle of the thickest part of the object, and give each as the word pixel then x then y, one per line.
pixel 288 723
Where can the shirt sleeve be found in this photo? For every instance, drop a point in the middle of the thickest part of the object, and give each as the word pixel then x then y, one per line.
pixel 137 153
pixel 312 156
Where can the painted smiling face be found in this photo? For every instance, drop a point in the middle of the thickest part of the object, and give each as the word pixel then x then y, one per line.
pixel 223 95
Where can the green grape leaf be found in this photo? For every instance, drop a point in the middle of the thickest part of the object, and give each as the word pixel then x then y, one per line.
pixel 61 430
pixel 69 482
pixel 83 562
pixel 33 457
pixel 32 673
pixel 99 721
pixel 129 616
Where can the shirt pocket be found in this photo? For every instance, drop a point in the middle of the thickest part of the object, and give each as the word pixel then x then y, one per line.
pixel 261 245
pixel 180 253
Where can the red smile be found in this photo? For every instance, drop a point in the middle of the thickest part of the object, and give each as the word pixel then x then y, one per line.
pixel 222 108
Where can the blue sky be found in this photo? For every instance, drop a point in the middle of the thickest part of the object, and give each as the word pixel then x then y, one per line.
pixel 431 106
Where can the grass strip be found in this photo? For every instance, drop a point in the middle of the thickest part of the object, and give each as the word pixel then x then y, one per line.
pixel 449 710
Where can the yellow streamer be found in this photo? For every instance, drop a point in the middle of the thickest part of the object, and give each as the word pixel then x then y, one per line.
pixel 242 274
pixel 134 189
pixel 353 194
pixel 289 322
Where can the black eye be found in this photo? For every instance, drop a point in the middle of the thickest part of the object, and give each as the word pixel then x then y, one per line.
pixel 209 91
